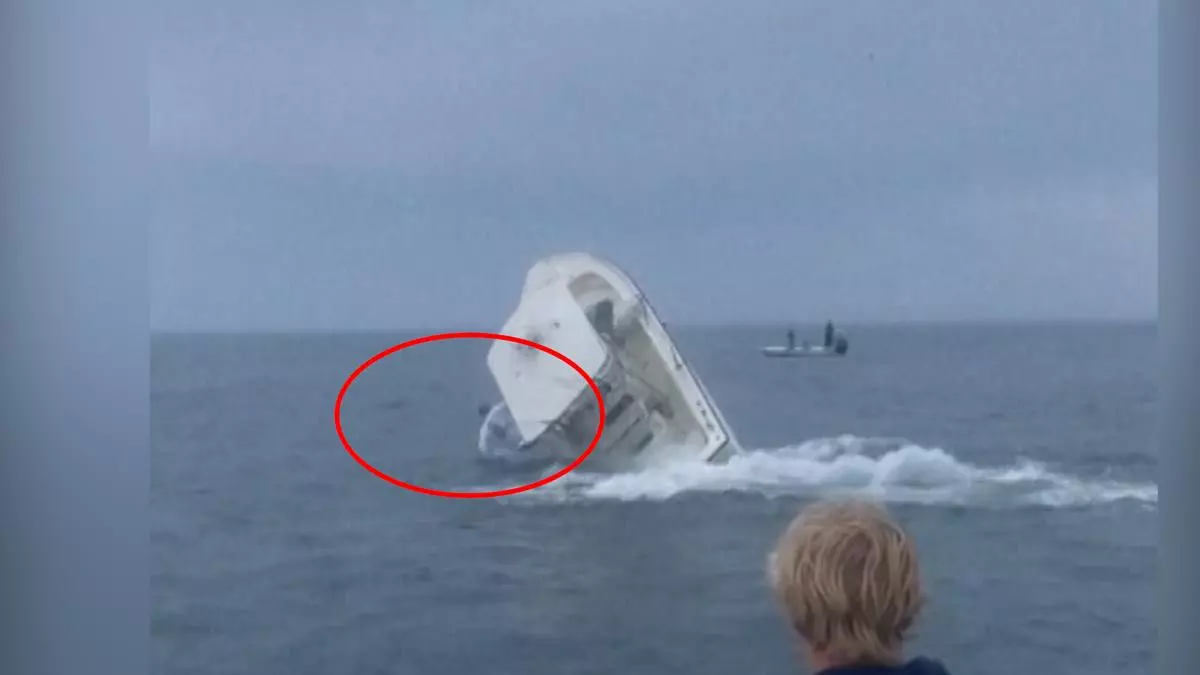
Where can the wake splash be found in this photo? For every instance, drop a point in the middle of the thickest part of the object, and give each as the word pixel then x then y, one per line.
pixel 891 470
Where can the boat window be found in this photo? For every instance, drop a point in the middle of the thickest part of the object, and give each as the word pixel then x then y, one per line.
pixel 601 316
pixel 620 407
pixel 644 442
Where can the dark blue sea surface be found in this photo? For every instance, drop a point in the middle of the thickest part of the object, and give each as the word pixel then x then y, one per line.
pixel 1021 457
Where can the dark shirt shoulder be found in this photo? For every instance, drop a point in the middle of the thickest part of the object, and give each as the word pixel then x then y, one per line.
pixel 920 665
pixel 925 666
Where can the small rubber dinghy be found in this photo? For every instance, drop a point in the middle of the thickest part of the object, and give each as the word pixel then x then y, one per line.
pixel 589 310
pixel 836 344
pixel 802 351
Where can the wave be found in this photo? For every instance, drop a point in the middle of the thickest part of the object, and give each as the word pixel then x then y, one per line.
pixel 890 470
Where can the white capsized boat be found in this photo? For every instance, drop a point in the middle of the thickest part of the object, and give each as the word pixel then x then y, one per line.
pixel 589 310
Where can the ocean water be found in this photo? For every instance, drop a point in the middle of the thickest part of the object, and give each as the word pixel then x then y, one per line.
pixel 1021 457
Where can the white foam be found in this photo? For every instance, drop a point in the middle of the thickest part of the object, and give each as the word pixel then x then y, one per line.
pixel 885 469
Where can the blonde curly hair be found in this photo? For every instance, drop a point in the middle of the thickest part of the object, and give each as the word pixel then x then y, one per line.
pixel 848 578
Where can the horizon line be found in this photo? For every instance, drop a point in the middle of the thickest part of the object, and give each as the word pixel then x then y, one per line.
pixel 875 323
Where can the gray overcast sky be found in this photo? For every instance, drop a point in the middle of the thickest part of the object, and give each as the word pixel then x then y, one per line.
pixel 399 164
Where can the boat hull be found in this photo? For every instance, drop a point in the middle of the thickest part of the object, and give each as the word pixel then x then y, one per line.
pixel 800 352
pixel 656 407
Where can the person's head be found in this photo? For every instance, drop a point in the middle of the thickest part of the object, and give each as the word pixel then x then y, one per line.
pixel 848 580
pixel 484 409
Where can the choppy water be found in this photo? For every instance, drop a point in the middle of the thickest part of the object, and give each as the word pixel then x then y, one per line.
pixel 1021 457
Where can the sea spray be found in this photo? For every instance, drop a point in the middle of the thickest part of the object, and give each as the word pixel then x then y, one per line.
pixel 887 469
